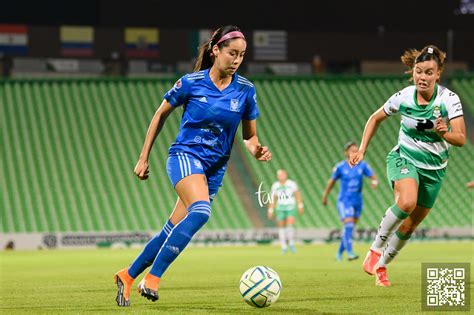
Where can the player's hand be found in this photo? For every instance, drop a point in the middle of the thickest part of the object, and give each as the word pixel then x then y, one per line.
pixel 270 214
pixel 374 183
pixel 263 154
pixel 356 158
pixel 440 126
pixel 301 210
pixel 325 200
pixel 141 169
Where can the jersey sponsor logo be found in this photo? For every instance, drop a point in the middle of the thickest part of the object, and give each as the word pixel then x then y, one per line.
pixel 209 142
pixel 203 99
pixel 197 139
pixel 458 107
pixel 404 170
pixel 234 105
pixel 424 124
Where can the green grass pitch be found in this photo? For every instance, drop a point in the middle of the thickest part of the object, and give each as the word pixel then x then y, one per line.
pixel 205 280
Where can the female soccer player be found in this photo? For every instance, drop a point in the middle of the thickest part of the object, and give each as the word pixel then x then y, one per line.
pixel 349 201
pixel 432 120
pixel 215 100
pixel 286 197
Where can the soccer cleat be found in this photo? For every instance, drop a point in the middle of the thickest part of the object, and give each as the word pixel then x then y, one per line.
pixel 370 261
pixel 124 283
pixel 339 257
pixel 148 287
pixel 381 278
pixel 352 256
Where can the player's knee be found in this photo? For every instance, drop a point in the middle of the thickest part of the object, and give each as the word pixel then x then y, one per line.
pixel 199 212
pixel 406 204
pixel 349 220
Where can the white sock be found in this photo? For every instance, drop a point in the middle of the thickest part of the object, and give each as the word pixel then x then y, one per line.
pixel 397 242
pixel 391 221
pixel 282 238
pixel 290 233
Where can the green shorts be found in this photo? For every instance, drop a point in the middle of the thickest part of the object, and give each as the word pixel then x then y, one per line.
pixel 282 215
pixel 429 181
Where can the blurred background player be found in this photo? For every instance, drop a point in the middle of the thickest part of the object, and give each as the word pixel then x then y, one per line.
pixel 216 99
pixel 349 201
pixel 286 199
pixel 432 120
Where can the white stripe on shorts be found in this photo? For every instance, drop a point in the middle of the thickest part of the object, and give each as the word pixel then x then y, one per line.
pixel 181 168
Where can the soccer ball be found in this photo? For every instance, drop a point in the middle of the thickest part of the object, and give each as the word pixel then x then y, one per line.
pixel 260 286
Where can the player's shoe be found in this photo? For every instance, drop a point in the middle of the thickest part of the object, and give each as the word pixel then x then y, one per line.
pixel 124 284
pixel 148 287
pixel 352 256
pixel 339 257
pixel 370 261
pixel 381 278
pixel 292 249
pixel 284 251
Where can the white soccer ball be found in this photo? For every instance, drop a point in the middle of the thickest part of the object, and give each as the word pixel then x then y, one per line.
pixel 260 286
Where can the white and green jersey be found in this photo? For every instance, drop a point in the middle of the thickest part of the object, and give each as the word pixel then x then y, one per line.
pixel 285 195
pixel 418 142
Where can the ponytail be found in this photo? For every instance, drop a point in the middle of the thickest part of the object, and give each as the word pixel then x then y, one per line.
pixel 205 57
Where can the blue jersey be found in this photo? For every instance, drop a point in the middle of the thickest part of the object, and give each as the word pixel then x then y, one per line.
pixel 351 180
pixel 211 117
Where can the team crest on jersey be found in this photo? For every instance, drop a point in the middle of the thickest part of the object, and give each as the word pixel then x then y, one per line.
pixel 234 105
pixel 404 170
pixel 437 112
pixel 178 84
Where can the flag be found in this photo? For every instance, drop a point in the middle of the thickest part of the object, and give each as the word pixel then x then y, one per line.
pixel 142 42
pixel 14 39
pixel 77 41
pixel 269 45
pixel 197 38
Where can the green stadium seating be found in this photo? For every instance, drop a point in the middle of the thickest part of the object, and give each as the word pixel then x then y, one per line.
pixel 464 87
pixel 68 153
pixel 69 149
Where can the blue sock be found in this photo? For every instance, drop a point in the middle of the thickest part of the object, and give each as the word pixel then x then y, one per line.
pixel 198 214
pixel 148 254
pixel 347 237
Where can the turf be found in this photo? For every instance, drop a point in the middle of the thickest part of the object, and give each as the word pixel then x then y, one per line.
pixel 205 280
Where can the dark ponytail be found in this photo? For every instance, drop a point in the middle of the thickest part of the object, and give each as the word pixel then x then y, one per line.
pixel 205 59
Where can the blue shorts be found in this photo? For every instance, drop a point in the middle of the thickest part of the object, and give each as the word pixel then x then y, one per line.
pixel 182 164
pixel 348 209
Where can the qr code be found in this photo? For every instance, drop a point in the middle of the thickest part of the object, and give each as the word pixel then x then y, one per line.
pixel 446 286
